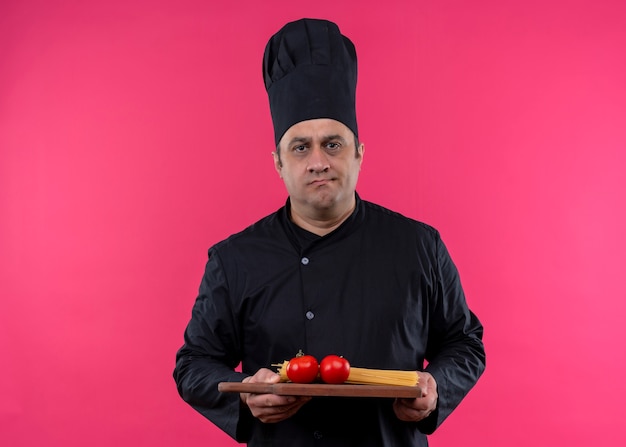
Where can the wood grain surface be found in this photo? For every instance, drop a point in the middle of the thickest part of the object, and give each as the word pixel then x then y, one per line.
pixel 321 389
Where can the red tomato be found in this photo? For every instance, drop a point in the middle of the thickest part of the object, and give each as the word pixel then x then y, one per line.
pixel 302 368
pixel 334 369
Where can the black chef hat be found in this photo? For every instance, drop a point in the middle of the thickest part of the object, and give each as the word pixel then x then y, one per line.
pixel 310 72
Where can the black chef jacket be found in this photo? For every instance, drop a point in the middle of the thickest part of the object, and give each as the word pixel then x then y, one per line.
pixel 380 290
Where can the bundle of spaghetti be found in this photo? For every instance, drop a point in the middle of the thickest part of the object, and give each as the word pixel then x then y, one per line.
pixel 282 370
pixel 368 376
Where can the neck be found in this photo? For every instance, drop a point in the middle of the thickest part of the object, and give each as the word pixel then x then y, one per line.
pixel 321 222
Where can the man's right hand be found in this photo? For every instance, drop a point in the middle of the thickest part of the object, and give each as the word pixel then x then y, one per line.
pixel 270 408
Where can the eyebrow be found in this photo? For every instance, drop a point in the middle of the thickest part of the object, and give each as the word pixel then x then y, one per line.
pixel 298 140
pixel 334 137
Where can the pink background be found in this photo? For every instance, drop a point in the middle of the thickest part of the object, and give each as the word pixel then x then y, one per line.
pixel 134 134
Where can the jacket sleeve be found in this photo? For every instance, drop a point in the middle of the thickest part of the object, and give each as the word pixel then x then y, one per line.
pixel 455 350
pixel 211 353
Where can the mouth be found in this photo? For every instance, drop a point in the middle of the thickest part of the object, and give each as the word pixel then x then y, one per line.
pixel 320 182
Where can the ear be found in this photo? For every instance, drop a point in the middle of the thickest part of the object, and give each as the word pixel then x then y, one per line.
pixel 278 165
pixel 361 153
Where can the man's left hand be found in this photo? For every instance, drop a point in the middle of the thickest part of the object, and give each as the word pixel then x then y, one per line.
pixel 413 410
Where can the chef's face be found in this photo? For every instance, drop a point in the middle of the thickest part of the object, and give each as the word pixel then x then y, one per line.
pixel 319 164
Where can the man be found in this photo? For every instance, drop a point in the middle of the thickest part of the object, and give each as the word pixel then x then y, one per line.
pixel 328 273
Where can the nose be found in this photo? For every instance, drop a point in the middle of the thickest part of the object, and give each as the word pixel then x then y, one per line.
pixel 318 160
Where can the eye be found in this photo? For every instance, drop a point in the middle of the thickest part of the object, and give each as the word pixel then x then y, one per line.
pixel 299 148
pixel 333 146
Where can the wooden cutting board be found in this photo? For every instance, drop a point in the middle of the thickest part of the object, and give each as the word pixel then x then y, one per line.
pixel 321 389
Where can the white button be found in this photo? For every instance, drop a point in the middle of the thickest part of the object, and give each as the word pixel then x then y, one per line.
pixel 310 315
pixel 305 261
